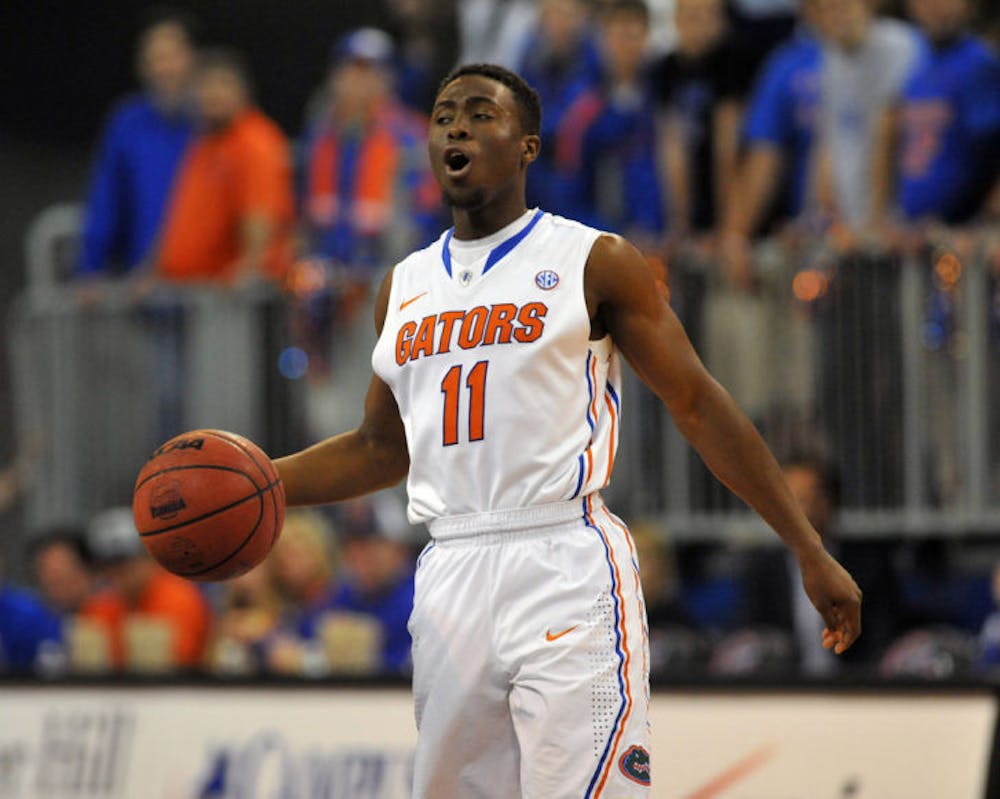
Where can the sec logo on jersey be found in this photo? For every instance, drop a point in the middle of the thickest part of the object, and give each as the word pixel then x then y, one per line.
pixel 547 279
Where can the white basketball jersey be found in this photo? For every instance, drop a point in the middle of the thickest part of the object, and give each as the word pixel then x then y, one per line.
pixel 506 401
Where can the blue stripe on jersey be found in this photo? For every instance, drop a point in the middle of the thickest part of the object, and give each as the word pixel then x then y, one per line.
pixel 445 252
pixel 579 478
pixel 589 521
pixel 590 391
pixel 614 396
pixel 502 249
pixel 498 252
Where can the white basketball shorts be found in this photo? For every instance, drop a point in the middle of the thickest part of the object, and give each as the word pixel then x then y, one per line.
pixel 530 656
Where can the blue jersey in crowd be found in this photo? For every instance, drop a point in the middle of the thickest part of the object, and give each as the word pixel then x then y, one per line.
pixel 784 108
pixel 950 131
pixel 138 157
pixel 559 81
pixel 24 625
pixel 607 144
pixel 391 607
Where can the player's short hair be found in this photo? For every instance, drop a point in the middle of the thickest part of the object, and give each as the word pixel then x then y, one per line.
pixel 527 98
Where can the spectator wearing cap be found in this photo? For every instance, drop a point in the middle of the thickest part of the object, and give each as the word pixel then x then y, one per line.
pixel 139 153
pixel 232 212
pixel 139 590
pixel 369 194
pixel 377 578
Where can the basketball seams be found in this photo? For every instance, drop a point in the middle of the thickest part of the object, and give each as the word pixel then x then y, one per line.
pixel 267 474
pixel 235 552
pixel 259 492
pixel 190 466
pixel 229 456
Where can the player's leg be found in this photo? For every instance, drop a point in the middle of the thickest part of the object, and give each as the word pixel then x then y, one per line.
pixel 580 695
pixel 466 747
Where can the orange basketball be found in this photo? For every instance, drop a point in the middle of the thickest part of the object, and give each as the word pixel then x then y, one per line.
pixel 208 505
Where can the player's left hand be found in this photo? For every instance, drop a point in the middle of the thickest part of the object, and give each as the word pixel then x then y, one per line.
pixel 836 596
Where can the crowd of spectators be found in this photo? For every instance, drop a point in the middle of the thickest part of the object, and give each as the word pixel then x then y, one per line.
pixel 333 598
pixel 822 119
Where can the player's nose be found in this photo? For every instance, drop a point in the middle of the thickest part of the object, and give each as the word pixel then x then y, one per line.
pixel 458 131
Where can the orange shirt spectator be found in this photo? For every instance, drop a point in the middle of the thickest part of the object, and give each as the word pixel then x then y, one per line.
pixel 232 208
pixel 165 596
pixel 137 587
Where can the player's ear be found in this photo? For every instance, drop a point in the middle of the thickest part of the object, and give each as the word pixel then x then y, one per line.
pixel 530 147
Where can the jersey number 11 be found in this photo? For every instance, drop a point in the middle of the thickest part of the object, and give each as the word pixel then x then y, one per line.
pixel 451 387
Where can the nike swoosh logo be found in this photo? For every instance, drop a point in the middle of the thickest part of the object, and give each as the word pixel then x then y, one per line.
pixel 734 774
pixel 551 636
pixel 412 300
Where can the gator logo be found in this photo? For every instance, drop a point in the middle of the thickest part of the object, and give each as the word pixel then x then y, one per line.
pixel 634 764
pixel 167 501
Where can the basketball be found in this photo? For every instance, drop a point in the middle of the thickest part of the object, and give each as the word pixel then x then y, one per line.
pixel 208 505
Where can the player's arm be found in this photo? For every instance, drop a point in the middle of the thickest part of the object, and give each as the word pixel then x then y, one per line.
pixel 623 300
pixel 358 462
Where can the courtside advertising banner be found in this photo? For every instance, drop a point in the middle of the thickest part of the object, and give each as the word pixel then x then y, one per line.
pixel 325 743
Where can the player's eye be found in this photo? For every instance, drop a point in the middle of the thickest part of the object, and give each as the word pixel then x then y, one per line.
pixel 482 115
pixel 442 120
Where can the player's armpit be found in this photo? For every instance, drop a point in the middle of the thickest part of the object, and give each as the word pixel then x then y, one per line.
pixel 623 299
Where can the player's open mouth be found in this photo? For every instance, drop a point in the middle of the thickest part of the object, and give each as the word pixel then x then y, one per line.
pixel 456 163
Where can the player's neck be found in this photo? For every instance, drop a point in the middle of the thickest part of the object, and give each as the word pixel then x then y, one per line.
pixel 478 223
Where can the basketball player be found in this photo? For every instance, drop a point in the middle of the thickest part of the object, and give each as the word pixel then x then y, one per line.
pixel 496 392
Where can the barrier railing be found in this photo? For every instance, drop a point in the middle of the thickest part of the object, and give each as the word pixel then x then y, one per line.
pixel 99 381
pixel 888 365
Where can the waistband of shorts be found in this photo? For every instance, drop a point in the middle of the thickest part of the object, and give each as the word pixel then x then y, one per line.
pixel 514 521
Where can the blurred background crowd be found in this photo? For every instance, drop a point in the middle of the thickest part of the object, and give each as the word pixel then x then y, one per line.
pixel 819 180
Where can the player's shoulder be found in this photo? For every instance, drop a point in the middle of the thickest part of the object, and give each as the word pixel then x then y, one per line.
pixel 566 226
pixel 419 258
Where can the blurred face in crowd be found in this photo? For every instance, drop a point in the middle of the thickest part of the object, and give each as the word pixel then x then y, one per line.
pixel 562 21
pixel 301 563
pixel 129 577
pixel 700 24
pixel 222 95
pixel 373 562
pixel 166 62
pixel 624 35
pixel 63 579
pixel 807 486
pixel 357 88
pixel 843 22
pixel 940 19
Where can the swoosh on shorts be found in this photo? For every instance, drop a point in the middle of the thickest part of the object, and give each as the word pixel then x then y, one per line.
pixel 551 636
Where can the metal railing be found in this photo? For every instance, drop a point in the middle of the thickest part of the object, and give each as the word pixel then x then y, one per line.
pixel 100 381
pixel 887 365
